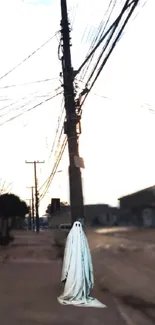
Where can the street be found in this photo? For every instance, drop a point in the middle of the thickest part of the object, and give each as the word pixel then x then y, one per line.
pixel 30 285
pixel 76 96
pixel 125 268
pixel 124 274
pixel 29 294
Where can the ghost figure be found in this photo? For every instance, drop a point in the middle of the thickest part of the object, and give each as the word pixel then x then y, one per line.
pixel 77 270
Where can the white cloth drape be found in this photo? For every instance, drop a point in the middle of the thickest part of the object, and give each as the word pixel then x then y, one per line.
pixel 77 270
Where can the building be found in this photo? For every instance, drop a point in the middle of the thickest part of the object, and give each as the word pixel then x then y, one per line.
pixel 140 207
pixel 95 215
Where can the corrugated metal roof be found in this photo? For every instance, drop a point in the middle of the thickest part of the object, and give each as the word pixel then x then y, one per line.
pixel 148 189
pixel 143 197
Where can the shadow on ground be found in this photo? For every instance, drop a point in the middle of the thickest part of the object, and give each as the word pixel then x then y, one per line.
pixel 26 245
pixel 146 307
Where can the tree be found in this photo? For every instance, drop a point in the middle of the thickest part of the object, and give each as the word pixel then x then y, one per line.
pixel 48 210
pixel 11 207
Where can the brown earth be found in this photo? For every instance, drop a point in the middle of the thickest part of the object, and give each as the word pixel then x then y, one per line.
pixel 124 271
pixel 30 273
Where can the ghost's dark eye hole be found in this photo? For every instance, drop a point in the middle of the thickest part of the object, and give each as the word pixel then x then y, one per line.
pixel 79 225
pixel 76 224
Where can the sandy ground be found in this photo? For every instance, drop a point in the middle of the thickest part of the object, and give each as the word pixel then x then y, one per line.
pixel 124 268
pixel 29 296
pixel 30 284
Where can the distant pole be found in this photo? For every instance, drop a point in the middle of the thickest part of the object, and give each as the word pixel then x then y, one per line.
pixel 36 191
pixel 33 226
pixel 32 204
pixel 30 213
pixel 72 124
pixel 36 197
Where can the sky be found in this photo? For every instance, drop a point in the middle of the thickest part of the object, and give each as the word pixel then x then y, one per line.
pixel 117 140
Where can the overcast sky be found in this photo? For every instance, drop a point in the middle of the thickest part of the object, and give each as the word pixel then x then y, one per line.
pixel 118 132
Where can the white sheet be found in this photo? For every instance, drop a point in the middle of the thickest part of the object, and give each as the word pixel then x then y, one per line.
pixel 77 271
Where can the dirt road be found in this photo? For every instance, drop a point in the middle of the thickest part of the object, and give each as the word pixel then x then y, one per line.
pixel 30 285
pixel 124 279
pixel 126 268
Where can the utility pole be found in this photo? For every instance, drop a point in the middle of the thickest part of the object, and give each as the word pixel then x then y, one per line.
pixel 72 125
pixel 30 214
pixel 32 204
pixel 36 191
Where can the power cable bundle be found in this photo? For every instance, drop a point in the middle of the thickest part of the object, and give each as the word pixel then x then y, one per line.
pixel 110 37
pixel 48 181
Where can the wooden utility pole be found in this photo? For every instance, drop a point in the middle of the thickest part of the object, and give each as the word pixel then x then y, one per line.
pixel 36 191
pixel 72 125
pixel 32 205
pixel 30 215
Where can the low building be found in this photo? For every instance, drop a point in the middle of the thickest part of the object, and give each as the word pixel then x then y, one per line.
pixel 140 206
pixel 95 214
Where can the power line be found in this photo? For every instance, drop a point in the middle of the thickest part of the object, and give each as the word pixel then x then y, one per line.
pixel 101 29
pixel 57 130
pixel 74 15
pixel 4 99
pixel 132 20
pixel 96 47
pixel 116 39
pixel 9 105
pixel 39 92
pixel 30 109
pixel 111 30
pixel 28 83
pixel 49 179
pixel 23 98
pixel 57 162
pixel 16 108
pixel 55 138
pixel 28 57
pixel 23 105
pixel 58 144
